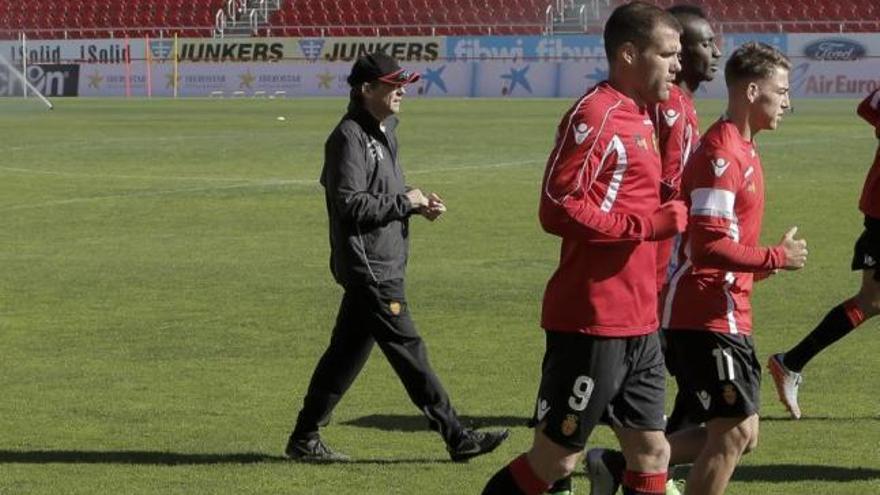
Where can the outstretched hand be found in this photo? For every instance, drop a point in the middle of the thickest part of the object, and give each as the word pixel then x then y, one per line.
pixel 795 250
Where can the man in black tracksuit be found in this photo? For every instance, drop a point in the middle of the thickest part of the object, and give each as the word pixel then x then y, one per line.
pixel 369 205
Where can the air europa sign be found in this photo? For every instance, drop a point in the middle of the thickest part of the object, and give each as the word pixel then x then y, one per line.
pixel 835 49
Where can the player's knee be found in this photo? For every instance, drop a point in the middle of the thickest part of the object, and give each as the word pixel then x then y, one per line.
pixel 868 297
pixel 552 461
pixel 659 451
pixel 869 302
pixel 752 443
pixel 650 452
pixel 742 438
pixel 566 467
pixel 554 468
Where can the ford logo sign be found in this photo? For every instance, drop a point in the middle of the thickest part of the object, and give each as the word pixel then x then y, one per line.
pixel 837 49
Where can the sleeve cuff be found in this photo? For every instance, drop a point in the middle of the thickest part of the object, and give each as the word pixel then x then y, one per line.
pixel 407 205
pixel 777 257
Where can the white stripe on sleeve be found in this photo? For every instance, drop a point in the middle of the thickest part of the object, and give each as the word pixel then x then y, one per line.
pixel 617 177
pixel 717 203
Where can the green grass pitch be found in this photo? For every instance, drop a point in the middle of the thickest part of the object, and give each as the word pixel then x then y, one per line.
pixel 165 294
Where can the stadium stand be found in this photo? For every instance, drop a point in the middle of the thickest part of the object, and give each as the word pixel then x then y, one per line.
pixel 411 17
pixel 793 15
pixel 108 18
pixel 116 18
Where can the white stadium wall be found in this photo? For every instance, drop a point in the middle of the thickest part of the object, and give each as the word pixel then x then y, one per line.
pixel 825 65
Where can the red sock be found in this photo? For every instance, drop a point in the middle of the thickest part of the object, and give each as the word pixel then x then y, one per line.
pixel 525 477
pixel 636 483
pixel 855 314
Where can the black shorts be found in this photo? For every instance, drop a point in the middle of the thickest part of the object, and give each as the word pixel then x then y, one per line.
pixel 718 373
pixel 587 380
pixel 866 255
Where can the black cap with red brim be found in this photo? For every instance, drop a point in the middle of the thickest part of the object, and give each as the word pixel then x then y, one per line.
pixel 380 67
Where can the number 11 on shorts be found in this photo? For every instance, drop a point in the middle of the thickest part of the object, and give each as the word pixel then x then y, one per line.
pixel 724 361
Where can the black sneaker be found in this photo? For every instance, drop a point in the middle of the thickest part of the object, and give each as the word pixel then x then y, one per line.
pixel 473 443
pixel 312 450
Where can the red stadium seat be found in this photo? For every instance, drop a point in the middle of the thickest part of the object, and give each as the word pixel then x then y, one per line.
pixel 424 17
pixel 104 18
pixel 98 18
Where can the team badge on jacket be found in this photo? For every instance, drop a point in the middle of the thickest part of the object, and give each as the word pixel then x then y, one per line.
pixel 394 307
pixel 670 116
pixel 729 394
pixel 719 166
pixel 569 425
pixel 581 131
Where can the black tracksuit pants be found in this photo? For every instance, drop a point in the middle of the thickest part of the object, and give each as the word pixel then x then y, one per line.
pixel 377 314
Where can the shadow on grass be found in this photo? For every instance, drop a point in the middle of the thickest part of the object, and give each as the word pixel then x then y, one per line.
pixel 382 462
pixel 803 472
pixel 129 457
pixel 807 419
pixel 406 422
pixel 781 473
pixel 171 458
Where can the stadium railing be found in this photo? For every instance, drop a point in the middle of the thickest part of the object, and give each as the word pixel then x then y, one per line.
pixel 288 31
pixel 795 26
pixel 482 29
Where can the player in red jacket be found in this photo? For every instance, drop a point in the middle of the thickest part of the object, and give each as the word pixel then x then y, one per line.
pixel 707 312
pixel 678 133
pixel 601 195
pixel 678 130
pixel 786 367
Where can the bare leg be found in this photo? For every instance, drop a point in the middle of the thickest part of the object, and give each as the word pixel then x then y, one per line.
pixel 549 460
pixel 727 439
pixel 646 451
pixel 685 445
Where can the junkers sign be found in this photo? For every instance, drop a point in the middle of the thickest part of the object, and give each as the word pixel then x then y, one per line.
pixel 835 49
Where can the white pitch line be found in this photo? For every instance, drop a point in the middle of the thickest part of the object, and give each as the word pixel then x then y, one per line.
pixel 55 173
pixel 251 183
pixel 474 167
pixel 142 194
pixel 98 143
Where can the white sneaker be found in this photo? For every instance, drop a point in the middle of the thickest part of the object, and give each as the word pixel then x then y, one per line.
pixel 601 480
pixel 787 383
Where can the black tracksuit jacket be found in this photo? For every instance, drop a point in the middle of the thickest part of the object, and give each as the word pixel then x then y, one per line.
pixel 366 200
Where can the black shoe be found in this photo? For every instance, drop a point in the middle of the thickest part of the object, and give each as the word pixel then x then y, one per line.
pixel 473 443
pixel 312 450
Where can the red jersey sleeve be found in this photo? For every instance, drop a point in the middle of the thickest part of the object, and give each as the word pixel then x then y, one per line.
pixel 670 121
pixel 869 203
pixel 713 223
pixel 869 109
pixel 583 147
